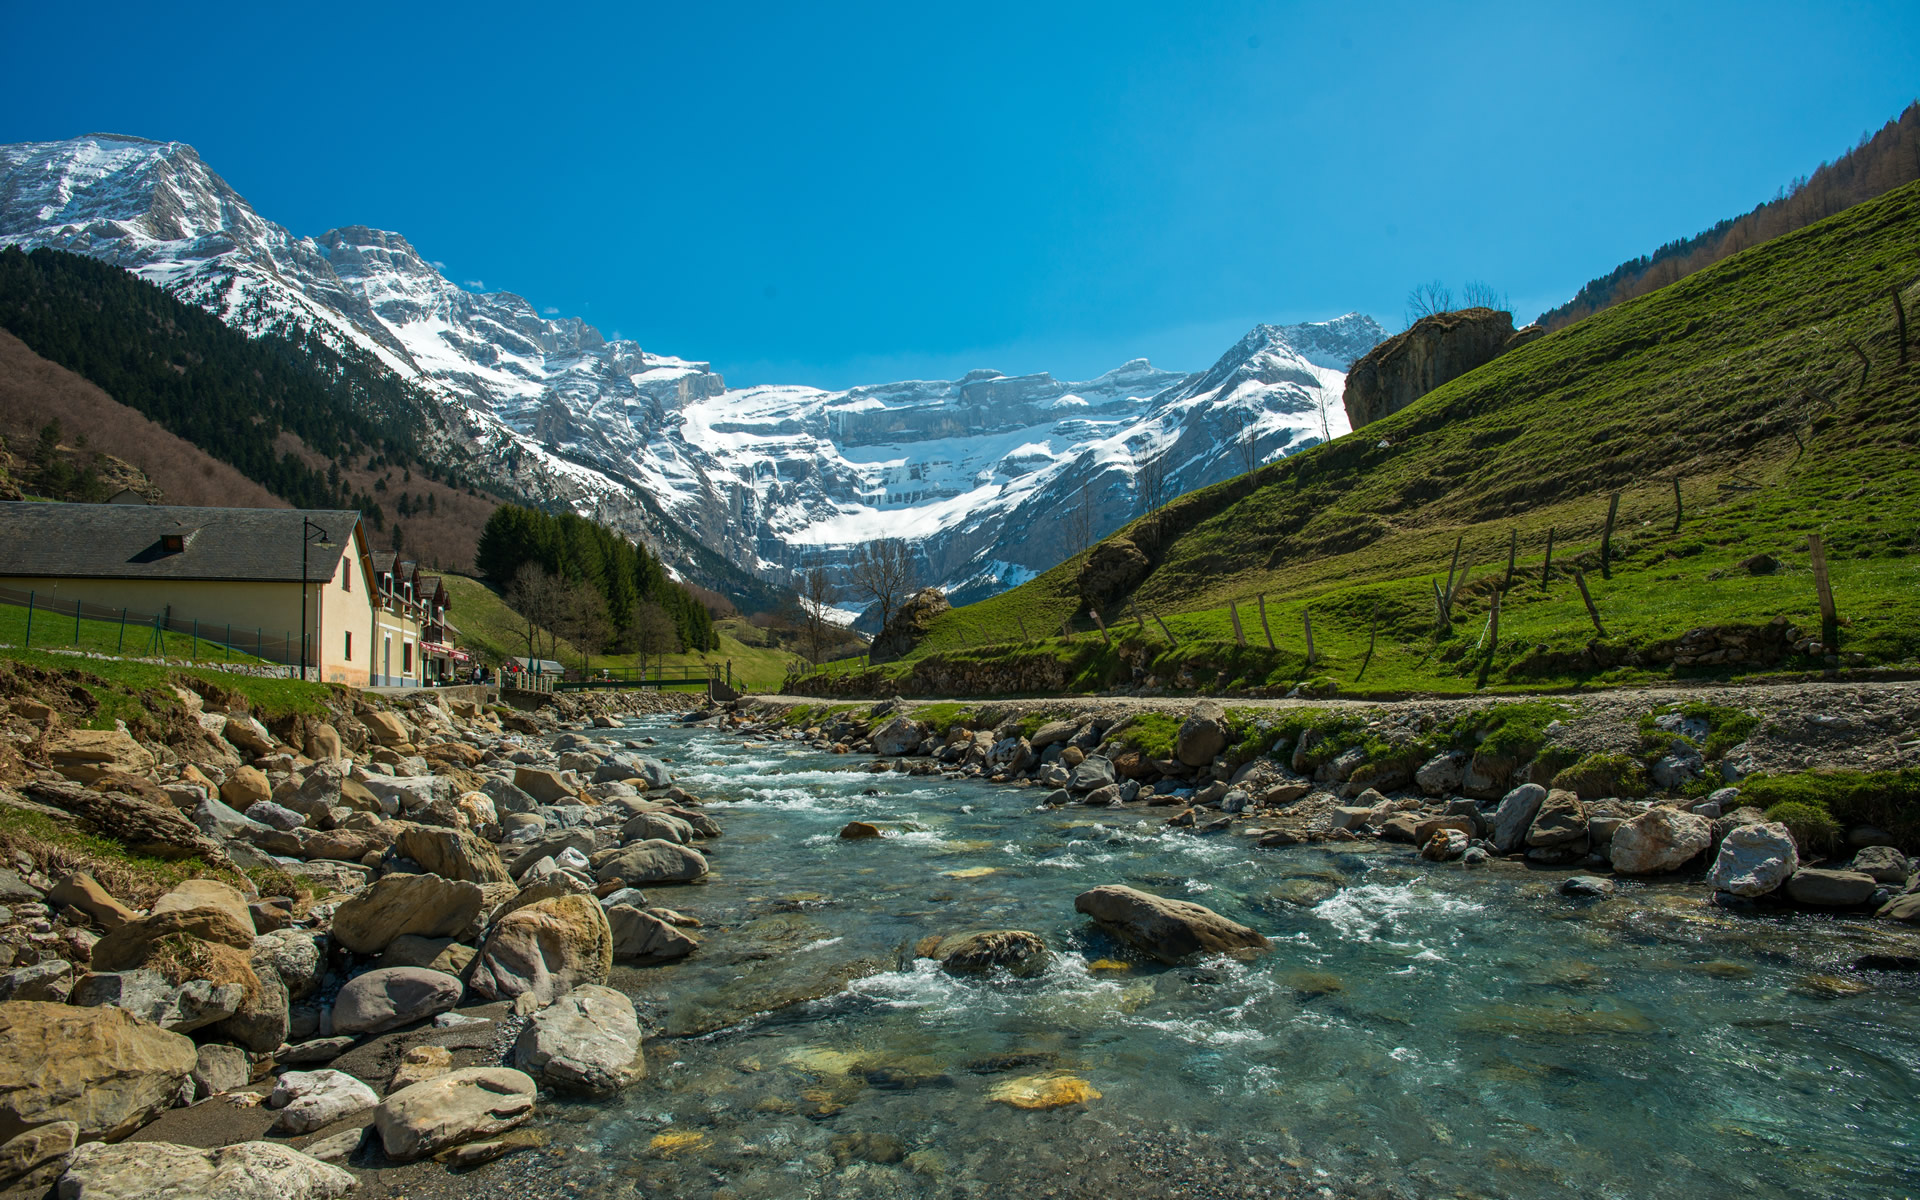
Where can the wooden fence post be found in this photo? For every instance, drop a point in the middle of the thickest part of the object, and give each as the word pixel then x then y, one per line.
pixel 1264 627
pixel 1900 323
pixel 1023 628
pixel 1233 610
pixel 1546 572
pixel 1677 509
pixel 1306 619
pixel 1066 630
pixel 1138 620
pixel 1606 538
pixel 1095 614
pixel 1454 563
pixel 1513 552
pixel 1580 581
pixel 1171 640
pixel 1440 616
pixel 1458 584
pixel 1829 615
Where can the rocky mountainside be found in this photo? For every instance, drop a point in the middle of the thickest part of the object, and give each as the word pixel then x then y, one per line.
pixel 987 474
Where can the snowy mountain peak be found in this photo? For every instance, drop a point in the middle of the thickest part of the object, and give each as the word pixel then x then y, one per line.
pixel 981 472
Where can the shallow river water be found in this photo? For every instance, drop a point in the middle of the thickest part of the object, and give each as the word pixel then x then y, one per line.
pixel 1417 1030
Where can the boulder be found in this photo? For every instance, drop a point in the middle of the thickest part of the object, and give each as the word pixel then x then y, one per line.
pixel 219 1069
pixel 323 742
pixel 1754 860
pixel 398 906
pixel 586 1041
pixel 295 956
pixel 460 1106
pixel 1660 839
pixel 149 995
pixel 1202 736
pixel 1884 863
pixel 193 895
pixel 508 798
pixel 907 626
pixel 1561 821
pixel 452 854
pixel 87 754
pixel 1587 887
pixel 433 953
pixel 1441 774
pixel 80 890
pixel 1430 352
pixel 651 825
pixel 408 793
pixel 1831 889
pixel 310 1100
pixel 1904 907
pixel 1094 772
pixel 650 862
pixel 163 1171
pixel 101 1068
pixel 902 735
pixel 1168 930
pixel 1113 569
pixel 854 831
pixel 545 950
pixel 37 1151
pixel 279 816
pixel 641 936
pixel 386 728
pixel 133 944
pixel 153 828
pixel 248 735
pixel 264 1017
pixel 1515 816
pixel 390 997
pixel 245 787
pixel 546 787
pixel 1015 951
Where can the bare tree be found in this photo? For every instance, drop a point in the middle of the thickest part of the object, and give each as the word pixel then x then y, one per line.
pixel 1248 440
pixel 818 593
pixel 535 595
pixel 1155 481
pixel 882 571
pixel 1080 519
pixel 652 631
pixel 1480 294
pixel 584 619
pixel 1427 300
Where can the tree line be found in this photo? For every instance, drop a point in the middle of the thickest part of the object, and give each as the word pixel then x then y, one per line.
pixel 570 577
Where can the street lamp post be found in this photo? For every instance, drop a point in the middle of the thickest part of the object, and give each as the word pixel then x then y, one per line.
pixel 308 530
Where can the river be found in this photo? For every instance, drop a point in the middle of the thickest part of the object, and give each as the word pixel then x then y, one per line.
pixel 1417 1029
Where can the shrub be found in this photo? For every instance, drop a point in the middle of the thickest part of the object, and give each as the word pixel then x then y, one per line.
pixel 1814 830
pixel 1601 775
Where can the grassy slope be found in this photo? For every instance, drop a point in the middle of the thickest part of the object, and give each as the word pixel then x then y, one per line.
pixel 54 631
pixel 1710 379
pixel 493 630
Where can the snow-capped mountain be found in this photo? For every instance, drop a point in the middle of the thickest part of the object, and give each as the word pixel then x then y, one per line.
pixel 986 474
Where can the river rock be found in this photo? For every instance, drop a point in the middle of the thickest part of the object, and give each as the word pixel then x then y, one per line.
pixel 653 825
pixel 1202 736
pixel 1561 821
pixel 452 854
pixel 1094 772
pixel 101 1068
pixel 264 1018
pixel 1831 889
pixel 295 956
pixel 40 1147
pixel 1441 774
pixel 134 943
pixel 310 1100
pixel 1904 907
pixel 460 1106
pixel 545 950
pixel 48 980
pixel 1168 930
pixel 401 905
pixel 150 996
pixel 80 890
pixel 1754 859
pixel 1051 732
pixel 902 735
pixel 163 1171
pixel 1884 863
pixel 390 997
pixel 1587 886
pixel 433 953
pixel 1660 839
pixel 586 1041
pixel 1015 951
pixel 1514 817
pixel 649 862
pixel 641 936
pixel 219 1069
pixel 544 785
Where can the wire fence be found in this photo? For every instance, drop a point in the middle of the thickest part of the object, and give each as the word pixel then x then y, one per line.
pixel 29 619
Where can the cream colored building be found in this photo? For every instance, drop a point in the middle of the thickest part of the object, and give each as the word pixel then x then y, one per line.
pixel 232 575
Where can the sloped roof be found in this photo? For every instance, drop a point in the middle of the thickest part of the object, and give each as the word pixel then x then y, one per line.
pixel 122 541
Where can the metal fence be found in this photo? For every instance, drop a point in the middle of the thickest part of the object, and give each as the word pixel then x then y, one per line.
pixel 55 623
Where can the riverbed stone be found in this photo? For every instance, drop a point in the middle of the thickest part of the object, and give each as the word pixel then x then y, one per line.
pixel 1885 863
pixel 655 825
pixel 37 1152
pixel 1831 889
pixel 640 936
pixel 461 1106
pixel 1659 840
pixel 398 906
pixel 1094 772
pixel 163 1171
pixel 587 1041
pixel 452 854
pixel 649 862
pixel 1561 821
pixel 1168 930
pixel 149 995
pixel 1515 816
pixel 219 1068
pixel 80 890
pixel 1016 951
pixel 1202 736
pixel 1754 859
pixel 101 1068
pixel 1441 774
pixel 389 997
pixel 433 953
pixel 898 736
pixel 310 1100
pixel 545 950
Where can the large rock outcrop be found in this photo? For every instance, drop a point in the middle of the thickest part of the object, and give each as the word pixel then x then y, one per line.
pixel 1434 350
pixel 907 627
pixel 1111 572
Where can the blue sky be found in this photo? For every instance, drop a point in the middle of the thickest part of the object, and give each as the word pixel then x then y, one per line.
pixel 834 194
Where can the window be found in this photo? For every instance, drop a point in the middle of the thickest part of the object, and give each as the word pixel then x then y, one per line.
pixel 349 645
pixel 173 543
pixel 406 658
pixel 346 578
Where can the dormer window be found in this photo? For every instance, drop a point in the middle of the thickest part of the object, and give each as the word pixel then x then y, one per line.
pixel 173 543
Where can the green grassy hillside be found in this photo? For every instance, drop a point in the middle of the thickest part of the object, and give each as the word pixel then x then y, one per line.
pixel 1770 386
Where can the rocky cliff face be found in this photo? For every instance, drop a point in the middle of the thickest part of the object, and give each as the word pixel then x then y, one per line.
pixel 1434 350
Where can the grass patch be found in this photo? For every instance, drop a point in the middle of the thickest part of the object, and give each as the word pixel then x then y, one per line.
pixel 52 631
pixel 58 848
pixel 137 692
pixel 1887 799
pixel 1726 728
pixel 1599 776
